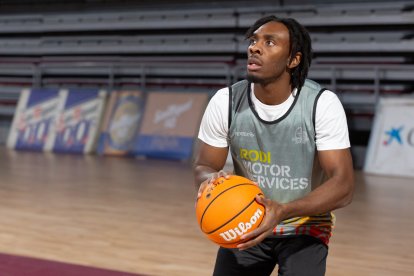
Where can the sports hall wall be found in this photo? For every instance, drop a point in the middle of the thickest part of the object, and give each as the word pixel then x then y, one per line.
pixel 128 78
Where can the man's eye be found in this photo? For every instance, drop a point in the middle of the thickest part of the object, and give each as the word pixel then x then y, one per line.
pixel 270 43
pixel 252 42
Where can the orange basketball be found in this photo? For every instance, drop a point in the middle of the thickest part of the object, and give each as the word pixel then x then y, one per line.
pixel 228 209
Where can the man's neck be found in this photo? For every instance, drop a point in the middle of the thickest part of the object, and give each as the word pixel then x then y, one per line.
pixel 272 93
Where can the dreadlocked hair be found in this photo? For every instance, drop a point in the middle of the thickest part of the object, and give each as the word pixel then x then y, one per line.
pixel 299 41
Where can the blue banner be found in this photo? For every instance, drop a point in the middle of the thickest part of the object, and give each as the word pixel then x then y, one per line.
pixel 34 116
pixel 78 120
pixel 121 122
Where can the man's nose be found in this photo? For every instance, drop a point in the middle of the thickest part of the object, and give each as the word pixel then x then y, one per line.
pixel 255 49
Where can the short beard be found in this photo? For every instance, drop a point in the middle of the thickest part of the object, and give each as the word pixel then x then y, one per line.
pixel 258 80
pixel 254 79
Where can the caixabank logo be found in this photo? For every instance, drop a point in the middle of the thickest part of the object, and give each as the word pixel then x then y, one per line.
pixel 401 135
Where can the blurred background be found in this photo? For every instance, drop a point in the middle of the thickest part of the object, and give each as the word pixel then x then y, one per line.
pixel 362 49
pixel 132 78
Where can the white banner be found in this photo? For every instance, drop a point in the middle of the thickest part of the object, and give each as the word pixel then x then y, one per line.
pixel 391 145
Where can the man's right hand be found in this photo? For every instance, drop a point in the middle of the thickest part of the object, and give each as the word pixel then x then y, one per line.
pixel 210 181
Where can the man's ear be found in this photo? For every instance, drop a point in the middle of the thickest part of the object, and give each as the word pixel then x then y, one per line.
pixel 293 62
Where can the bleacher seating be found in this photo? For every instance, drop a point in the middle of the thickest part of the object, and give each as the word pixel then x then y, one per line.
pixel 337 14
pixel 120 20
pixel 361 51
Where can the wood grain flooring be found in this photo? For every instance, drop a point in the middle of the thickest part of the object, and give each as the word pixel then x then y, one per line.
pixel 138 216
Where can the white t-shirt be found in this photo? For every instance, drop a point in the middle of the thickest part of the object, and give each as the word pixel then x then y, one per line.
pixel 330 119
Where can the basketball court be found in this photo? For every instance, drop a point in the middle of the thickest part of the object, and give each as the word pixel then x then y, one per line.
pixel 136 217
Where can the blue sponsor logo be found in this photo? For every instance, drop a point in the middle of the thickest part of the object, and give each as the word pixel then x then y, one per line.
pixel 397 136
pixel 394 135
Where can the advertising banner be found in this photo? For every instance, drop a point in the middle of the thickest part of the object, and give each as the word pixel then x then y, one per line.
pixel 391 145
pixel 34 115
pixel 171 121
pixel 121 121
pixel 78 119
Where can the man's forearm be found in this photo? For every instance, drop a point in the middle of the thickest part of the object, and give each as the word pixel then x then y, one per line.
pixel 202 173
pixel 331 195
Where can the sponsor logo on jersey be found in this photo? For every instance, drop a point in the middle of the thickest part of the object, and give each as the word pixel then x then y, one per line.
pixel 267 174
pixel 244 134
pixel 300 136
pixel 255 155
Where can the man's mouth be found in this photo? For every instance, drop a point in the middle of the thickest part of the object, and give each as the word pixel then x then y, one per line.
pixel 253 64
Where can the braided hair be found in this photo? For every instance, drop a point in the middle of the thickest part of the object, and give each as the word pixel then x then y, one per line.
pixel 299 41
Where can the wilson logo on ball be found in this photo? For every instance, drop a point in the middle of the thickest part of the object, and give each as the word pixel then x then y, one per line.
pixel 242 228
pixel 228 209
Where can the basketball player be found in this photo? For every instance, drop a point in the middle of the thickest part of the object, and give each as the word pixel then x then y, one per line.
pixel 290 136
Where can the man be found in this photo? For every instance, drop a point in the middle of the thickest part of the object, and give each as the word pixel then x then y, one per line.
pixel 288 135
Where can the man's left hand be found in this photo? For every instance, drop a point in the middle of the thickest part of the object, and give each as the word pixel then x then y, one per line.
pixel 273 216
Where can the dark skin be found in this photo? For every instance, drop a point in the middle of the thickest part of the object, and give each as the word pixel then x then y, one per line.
pixel 268 66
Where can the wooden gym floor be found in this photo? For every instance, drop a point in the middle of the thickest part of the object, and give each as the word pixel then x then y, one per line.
pixel 138 216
